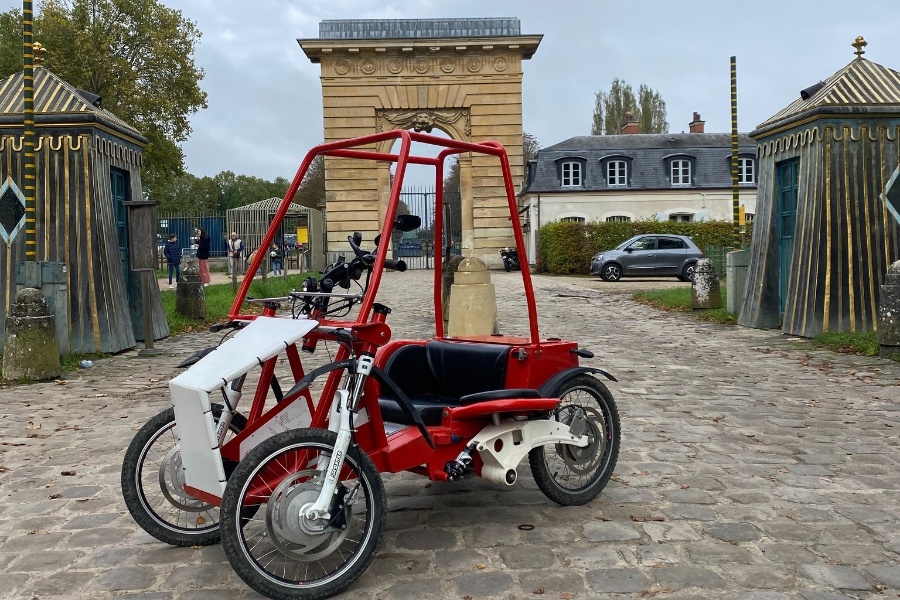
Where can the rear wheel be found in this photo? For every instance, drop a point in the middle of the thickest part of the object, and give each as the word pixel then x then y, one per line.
pixel 507 266
pixel 153 484
pixel 611 272
pixel 688 273
pixel 277 551
pixel 570 475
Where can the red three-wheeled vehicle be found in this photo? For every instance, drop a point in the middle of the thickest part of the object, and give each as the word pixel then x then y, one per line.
pixel 293 489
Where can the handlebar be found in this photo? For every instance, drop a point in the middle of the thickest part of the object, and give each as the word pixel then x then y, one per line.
pixel 395 265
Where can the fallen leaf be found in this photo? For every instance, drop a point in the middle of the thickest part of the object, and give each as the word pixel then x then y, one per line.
pixel 55 496
pixel 82 500
pixel 197 547
pixel 151 380
pixel 50 485
pixel 68 473
pixel 60 382
pixel 3 469
pixel 201 520
pixel 480 566
pixel 100 395
pixel 539 591
pixel 566 596
pixel 685 486
pixel 638 519
pixel 659 565
pixel 784 470
pixel 31 425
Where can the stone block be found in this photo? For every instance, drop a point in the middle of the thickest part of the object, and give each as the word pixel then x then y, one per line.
pixel 31 349
pixel 190 297
pixel 617 581
pixel 426 539
pixel 736 264
pixel 480 585
pixel 889 313
pixel 610 531
pixel 842 578
pixel 705 290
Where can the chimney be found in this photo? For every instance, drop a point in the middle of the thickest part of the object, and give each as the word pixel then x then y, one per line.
pixel 631 124
pixel 696 125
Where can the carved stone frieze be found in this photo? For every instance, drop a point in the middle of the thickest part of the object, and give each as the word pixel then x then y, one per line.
pixel 422 120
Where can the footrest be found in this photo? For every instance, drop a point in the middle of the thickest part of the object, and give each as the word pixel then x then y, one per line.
pixel 513 405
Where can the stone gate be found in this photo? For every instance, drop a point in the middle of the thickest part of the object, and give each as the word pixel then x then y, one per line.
pixel 462 76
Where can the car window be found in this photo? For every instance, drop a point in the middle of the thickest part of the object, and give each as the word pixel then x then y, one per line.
pixel 645 243
pixel 671 244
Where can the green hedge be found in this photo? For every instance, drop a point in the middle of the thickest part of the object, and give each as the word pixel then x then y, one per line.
pixel 567 248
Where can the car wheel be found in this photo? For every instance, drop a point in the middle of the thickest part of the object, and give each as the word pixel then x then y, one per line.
pixel 611 272
pixel 688 273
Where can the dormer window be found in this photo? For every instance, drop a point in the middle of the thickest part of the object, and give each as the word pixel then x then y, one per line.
pixel 681 172
pixel 617 173
pixel 746 171
pixel 571 174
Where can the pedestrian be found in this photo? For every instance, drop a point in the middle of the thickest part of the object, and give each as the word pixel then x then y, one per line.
pixel 235 252
pixel 276 255
pixel 203 246
pixel 173 257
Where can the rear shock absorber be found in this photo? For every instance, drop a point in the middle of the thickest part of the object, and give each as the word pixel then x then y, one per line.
pixel 456 468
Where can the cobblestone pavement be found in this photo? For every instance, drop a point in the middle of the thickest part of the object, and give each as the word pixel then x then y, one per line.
pixel 752 467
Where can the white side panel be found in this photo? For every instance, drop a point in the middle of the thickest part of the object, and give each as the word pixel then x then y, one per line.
pixel 200 455
pixel 260 340
pixel 295 416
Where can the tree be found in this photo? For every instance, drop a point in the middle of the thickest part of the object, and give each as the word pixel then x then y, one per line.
pixel 137 55
pixel 452 199
pixel 311 193
pixel 10 42
pixel 610 107
pixel 530 147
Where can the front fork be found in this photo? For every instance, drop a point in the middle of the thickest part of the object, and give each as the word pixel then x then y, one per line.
pixel 345 404
pixel 231 395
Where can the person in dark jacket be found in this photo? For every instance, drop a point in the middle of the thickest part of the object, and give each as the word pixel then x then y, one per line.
pixel 173 257
pixel 275 255
pixel 203 255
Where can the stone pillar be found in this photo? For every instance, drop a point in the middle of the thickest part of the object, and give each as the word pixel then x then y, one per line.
pixel 190 297
pixel 448 272
pixel 466 207
pixel 736 279
pixel 705 290
pixel 473 302
pixel 31 350
pixel 889 314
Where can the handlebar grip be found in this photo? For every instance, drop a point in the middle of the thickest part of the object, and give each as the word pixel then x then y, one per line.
pixel 394 265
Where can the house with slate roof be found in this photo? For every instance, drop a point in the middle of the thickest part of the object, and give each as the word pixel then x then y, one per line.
pixel 635 176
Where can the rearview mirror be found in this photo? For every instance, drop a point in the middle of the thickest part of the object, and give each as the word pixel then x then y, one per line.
pixel 629 249
pixel 407 222
pixel 357 238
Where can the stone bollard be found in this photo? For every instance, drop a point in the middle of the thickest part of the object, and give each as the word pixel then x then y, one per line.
pixel 473 303
pixel 737 264
pixel 705 290
pixel 31 349
pixel 190 297
pixel 889 313
pixel 448 271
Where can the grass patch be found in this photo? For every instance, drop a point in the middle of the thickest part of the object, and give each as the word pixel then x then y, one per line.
pixel 679 300
pixel 219 299
pixel 862 344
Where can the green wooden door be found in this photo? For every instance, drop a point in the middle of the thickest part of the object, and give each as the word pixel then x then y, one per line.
pixel 119 184
pixel 786 212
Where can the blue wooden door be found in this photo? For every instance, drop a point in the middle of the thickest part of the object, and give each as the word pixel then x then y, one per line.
pixel 119 184
pixel 786 212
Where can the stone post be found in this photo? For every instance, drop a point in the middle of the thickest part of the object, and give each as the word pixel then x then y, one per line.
pixel 448 272
pixel 888 314
pixel 705 290
pixel 31 350
pixel 473 302
pixel 736 279
pixel 190 297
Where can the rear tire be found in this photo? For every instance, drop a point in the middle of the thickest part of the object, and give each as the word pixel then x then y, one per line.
pixel 152 496
pixel 506 266
pixel 569 475
pixel 688 273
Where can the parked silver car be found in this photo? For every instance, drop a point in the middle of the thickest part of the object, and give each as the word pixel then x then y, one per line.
pixel 649 256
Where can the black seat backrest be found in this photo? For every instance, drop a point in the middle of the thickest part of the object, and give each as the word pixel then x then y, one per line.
pixel 460 369
pixel 409 369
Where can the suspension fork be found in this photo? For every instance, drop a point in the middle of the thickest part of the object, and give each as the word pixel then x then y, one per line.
pixel 231 395
pixel 339 421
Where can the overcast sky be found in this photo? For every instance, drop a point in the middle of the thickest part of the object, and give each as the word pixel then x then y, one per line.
pixel 264 95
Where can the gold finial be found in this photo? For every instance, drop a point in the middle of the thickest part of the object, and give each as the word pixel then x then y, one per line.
pixel 859 43
pixel 38 51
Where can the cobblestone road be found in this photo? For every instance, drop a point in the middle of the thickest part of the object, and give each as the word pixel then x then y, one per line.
pixel 751 467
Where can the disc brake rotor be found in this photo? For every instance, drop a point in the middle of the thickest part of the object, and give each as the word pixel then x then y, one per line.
pixel 584 461
pixel 171 483
pixel 290 531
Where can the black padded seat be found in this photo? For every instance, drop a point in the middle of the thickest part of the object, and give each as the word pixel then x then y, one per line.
pixel 439 374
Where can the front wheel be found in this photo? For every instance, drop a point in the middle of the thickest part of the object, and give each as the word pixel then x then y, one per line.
pixel 611 272
pixel 153 484
pixel 278 551
pixel 506 265
pixel 570 475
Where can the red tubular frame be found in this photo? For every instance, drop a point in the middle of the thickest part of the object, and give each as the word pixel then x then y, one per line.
pixel 347 149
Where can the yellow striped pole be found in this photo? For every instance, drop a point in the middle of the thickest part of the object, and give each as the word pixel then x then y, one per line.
pixel 735 189
pixel 28 147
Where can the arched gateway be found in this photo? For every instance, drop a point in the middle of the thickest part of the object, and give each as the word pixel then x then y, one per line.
pixel 462 76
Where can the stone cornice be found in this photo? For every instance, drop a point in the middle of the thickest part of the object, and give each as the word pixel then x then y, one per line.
pixel 525 46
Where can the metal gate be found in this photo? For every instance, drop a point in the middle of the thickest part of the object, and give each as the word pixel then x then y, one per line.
pixel 416 248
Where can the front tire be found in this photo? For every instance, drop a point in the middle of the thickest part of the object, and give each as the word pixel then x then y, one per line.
pixel 506 266
pixel 611 272
pixel 279 553
pixel 569 475
pixel 155 497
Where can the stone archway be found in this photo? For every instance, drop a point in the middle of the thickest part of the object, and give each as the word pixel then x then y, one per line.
pixel 463 76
